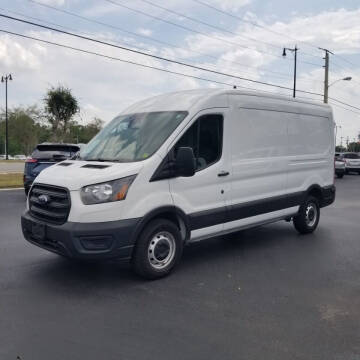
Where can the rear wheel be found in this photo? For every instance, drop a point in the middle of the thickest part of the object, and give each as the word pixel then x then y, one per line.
pixel 158 249
pixel 340 176
pixel 308 217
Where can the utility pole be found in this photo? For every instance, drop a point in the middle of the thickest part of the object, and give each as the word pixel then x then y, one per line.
pixel 5 79
pixel 326 82
pixel 336 132
pixel 295 50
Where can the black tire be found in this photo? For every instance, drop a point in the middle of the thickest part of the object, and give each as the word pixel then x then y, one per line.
pixel 340 176
pixel 158 249
pixel 307 219
pixel 27 191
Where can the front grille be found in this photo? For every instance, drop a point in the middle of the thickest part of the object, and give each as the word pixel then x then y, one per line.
pixel 57 207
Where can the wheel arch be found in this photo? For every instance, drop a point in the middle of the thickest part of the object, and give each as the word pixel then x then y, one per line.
pixel 316 191
pixel 172 213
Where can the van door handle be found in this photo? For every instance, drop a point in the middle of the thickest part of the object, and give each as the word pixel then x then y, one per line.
pixel 223 173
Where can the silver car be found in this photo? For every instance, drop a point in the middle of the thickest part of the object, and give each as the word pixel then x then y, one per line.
pixel 339 167
pixel 352 162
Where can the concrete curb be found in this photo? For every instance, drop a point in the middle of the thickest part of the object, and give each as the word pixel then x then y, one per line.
pixel 9 189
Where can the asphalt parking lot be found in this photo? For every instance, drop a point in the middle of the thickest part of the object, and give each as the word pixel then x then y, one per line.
pixel 266 293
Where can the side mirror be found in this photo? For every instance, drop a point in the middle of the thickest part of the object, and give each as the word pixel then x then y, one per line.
pixel 185 162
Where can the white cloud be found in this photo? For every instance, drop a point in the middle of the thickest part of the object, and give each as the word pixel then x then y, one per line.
pixel 105 87
pixel 99 10
pixel 15 56
pixel 232 5
pixel 146 32
pixel 53 2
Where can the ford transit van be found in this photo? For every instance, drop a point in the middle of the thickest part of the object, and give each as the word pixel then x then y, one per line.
pixel 183 167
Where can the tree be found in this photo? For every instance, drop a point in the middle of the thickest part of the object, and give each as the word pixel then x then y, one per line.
pixel 354 147
pixel 339 148
pixel 60 107
pixel 83 133
pixel 25 129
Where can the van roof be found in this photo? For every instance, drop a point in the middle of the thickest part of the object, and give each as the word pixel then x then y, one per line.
pixel 185 100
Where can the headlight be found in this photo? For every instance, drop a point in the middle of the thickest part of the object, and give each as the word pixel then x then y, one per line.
pixel 106 192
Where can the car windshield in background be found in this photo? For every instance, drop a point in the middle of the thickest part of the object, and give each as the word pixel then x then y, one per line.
pixel 352 156
pixel 132 137
pixel 53 152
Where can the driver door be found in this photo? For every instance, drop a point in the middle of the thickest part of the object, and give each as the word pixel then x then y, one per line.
pixel 202 196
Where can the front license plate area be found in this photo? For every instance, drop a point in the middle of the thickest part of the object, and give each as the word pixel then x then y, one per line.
pixel 38 231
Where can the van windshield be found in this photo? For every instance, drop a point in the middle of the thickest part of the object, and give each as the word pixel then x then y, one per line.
pixel 132 137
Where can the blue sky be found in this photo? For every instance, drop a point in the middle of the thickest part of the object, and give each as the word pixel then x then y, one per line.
pixel 104 87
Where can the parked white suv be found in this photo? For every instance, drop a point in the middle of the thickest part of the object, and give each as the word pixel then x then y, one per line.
pixel 183 167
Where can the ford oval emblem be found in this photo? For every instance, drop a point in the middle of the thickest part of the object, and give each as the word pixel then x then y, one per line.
pixel 43 199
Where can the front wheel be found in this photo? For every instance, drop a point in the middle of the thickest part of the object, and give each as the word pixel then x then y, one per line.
pixel 158 249
pixel 307 219
pixel 340 176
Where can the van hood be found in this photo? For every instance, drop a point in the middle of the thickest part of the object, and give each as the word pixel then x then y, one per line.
pixel 76 174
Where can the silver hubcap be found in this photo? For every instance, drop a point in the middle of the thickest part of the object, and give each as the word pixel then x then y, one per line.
pixel 161 250
pixel 311 214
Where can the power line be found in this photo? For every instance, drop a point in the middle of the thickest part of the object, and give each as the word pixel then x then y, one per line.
pixel 164 70
pixel 152 56
pixel 267 29
pixel 346 60
pixel 114 41
pixel 342 67
pixel 113 57
pixel 344 108
pixel 255 24
pixel 138 64
pixel 189 29
pixel 344 103
pixel 199 32
pixel 35 18
pixel 151 38
pixel 208 24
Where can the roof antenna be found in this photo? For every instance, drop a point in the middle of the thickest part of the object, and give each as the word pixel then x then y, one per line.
pixel 234 87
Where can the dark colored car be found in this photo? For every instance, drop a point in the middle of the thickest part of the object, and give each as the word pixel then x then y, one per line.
pixel 43 156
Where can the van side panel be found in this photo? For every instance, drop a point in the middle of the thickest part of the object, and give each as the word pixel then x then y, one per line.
pixel 279 149
pixel 259 162
pixel 311 151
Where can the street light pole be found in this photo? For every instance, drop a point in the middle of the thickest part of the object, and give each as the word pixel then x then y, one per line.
pixel 295 50
pixel 5 79
pixel 336 131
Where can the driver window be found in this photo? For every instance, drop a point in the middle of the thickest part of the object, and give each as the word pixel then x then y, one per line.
pixel 205 138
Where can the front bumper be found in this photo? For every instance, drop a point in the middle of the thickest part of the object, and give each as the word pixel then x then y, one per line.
pixel 105 240
pixel 352 167
pixel 340 170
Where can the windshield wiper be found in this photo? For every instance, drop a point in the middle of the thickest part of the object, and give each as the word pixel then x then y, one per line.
pixel 98 159
pixel 102 160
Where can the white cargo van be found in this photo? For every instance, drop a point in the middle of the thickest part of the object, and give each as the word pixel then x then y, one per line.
pixel 181 167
